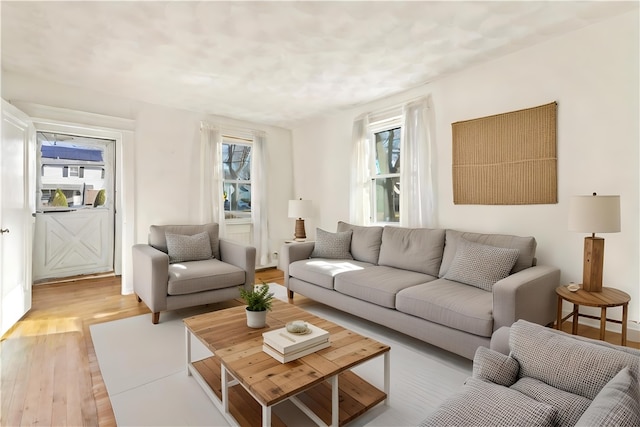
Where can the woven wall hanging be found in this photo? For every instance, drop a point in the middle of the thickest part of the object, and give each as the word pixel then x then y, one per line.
pixel 506 159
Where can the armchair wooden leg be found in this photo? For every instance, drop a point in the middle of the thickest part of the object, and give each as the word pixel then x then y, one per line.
pixel 290 294
pixel 155 318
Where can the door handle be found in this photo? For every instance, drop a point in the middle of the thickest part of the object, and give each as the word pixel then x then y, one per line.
pixel 4 230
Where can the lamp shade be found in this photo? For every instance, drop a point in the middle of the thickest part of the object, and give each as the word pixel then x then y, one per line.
pixel 300 208
pixel 594 214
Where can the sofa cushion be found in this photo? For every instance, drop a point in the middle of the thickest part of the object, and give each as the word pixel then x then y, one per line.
pixel 321 271
pixel 480 265
pixel 588 368
pixel 378 284
pixel 483 403
pixel 497 368
pixel 188 248
pixel 365 241
pixel 332 245
pixel 526 246
pixel 198 276
pixel 451 304
pixel 617 404
pixel 415 249
pixel 157 235
pixel 569 406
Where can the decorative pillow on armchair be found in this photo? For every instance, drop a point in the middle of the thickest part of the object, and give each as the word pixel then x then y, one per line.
pixel 183 248
pixel 481 265
pixel 332 245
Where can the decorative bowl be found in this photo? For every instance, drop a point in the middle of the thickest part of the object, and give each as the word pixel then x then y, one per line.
pixel 573 287
pixel 297 327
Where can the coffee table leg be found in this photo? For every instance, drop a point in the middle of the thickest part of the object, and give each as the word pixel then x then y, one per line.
pixel 387 375
pixel 187 336
pixel 603 322
pixel 335 408
pixel 266 416
pixel 225 389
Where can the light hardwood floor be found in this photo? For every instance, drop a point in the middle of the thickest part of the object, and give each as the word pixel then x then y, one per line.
pixel 50 374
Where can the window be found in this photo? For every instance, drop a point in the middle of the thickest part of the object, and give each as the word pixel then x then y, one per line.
pixel 72 165
pixel 236 167
pixel 385 181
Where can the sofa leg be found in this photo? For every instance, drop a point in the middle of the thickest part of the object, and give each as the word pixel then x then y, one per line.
pixel 290 294
pixel 155 318
pixel 138 298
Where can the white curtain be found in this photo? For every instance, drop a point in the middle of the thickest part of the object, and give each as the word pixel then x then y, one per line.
pixel 211 175
pixel 360 197
pixel 259 199
pixel 416 172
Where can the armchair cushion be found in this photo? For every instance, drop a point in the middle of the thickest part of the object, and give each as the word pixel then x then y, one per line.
pixel 206 275
pixel 484 404
pixel 158 239
pixel 188 248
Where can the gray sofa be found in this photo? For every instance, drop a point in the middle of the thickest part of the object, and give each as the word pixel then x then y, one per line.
pixel 449 288
pixel 188 265
pixel 534 375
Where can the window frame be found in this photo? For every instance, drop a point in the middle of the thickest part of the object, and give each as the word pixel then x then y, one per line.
pixel 244 219
pixel 386 124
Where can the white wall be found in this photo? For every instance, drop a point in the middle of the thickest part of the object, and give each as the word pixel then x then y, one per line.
pixel 592 74
pixel 166 164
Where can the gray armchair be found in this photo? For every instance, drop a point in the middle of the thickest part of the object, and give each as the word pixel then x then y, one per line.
pixel 175 271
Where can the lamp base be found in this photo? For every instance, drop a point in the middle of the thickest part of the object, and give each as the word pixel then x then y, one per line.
pixel 593 264
pixel 299 233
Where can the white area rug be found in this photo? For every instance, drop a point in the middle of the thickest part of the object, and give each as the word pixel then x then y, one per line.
pixel 143 367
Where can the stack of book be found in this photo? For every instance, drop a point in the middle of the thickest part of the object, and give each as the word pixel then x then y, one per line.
pixel 286 346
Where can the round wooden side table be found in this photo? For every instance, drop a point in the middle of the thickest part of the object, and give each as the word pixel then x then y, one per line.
pixel 609 297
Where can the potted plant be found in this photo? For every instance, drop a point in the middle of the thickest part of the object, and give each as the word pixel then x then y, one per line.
pixel 258 301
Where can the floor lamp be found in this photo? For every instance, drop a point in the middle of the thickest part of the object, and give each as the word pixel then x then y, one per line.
pixel 594 214
pixel 300 209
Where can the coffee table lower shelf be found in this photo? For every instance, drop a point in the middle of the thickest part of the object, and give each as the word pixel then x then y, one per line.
pixel 356 396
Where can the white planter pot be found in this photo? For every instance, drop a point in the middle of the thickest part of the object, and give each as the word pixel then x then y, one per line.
pixel 256 319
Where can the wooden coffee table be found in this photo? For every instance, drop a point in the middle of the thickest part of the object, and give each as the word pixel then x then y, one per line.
pixel 320 384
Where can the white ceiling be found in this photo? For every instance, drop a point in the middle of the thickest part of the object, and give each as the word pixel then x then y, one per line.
pixel 273 62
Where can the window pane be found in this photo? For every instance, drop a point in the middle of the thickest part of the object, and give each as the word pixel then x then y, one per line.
pixel 387 199
pixel 236 162
pixel 388 151
pixel 74 165
pixel 237 198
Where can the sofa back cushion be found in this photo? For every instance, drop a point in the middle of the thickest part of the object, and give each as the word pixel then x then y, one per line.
pixel 526 246
pixel 158 239
pixel 365 241
pixel 414 249
pixel 561 361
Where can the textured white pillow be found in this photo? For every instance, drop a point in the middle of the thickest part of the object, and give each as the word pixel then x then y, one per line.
pixel 481 265
pixel 332 245
pixel 617 404
pixel 183 248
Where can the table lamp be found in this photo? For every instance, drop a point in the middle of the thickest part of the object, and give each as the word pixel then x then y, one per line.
pixel 594 214
pixel 300 209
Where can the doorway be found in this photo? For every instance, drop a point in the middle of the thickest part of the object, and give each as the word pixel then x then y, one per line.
pixel 75 210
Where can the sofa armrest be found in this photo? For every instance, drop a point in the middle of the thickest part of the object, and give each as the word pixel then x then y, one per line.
pixel 242 256
pixel 528 294
pixel 150 276
pixel 292 252
pixel 500 340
